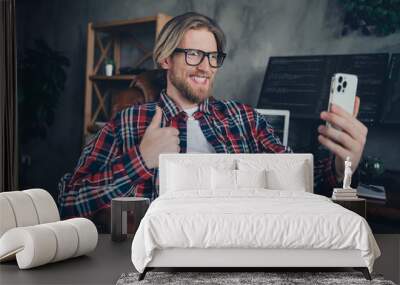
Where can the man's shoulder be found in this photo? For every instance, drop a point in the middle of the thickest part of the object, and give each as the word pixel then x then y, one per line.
pixel 232 107
pixel 150 106
pixel 136 110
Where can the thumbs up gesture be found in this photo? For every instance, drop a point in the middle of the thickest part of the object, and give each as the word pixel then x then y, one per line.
pixel 158 140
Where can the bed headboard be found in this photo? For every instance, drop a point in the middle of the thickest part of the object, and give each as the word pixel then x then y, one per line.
pixel 279 162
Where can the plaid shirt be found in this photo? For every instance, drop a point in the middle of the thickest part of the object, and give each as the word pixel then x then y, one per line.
pixel 111 164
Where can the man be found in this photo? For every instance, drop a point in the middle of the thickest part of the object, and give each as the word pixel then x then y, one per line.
pixel 123 159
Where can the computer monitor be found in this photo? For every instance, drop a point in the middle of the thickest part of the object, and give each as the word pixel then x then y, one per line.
pixel 391 109
pixel 301 83
pixel 279 120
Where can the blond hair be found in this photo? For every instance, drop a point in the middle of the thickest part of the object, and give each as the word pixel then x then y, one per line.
pixel 172 33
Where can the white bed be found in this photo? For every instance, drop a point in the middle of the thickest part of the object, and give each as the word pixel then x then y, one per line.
pixel 202 219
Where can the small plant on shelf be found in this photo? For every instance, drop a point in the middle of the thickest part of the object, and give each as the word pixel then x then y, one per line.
pixel 109 66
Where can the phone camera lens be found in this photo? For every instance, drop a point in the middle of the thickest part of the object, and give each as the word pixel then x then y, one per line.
pixel 344 84
pixel 339 88
pixel 340 79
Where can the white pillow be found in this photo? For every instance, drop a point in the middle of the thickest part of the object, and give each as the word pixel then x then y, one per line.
pixel 281 173
pixel 251 178
pixel 237 179
pixel 183 177
pixel 223 179
pixel 294 178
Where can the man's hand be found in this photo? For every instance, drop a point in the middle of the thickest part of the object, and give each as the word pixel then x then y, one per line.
pixel 350 141
pixel 158 140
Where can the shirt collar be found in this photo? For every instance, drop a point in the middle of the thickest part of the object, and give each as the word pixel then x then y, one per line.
pixel 170 109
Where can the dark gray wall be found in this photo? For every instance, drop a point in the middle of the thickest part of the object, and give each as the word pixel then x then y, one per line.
pixel 255 30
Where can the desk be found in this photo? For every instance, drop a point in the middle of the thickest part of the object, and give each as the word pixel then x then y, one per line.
pixel 357 205
pixel 384 216
pixel 102 266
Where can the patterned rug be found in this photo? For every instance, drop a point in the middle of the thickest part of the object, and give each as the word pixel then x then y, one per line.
pixel 242 278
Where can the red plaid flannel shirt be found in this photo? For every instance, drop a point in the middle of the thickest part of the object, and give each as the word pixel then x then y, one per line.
pixel 111 164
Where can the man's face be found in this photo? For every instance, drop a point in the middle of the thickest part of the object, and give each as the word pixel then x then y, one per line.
pixel 193 83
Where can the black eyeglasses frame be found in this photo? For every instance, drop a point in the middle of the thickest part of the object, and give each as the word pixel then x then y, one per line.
pixel 205 54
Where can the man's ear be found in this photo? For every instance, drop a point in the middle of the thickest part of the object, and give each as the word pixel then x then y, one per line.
pixel 166 63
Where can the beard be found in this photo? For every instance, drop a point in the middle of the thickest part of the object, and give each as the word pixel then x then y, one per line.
pixel 192 95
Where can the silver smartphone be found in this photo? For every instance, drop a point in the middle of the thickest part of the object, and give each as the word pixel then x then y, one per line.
pixel 343 92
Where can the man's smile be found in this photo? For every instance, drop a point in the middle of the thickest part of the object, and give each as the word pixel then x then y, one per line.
pixel 199 79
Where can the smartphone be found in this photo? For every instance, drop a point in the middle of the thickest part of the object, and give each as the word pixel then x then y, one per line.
pixel 343 92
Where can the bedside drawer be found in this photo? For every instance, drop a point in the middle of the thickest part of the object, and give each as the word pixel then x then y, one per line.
pixel 358 206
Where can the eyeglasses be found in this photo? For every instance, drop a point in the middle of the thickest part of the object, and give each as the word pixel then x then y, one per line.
pixel 194 57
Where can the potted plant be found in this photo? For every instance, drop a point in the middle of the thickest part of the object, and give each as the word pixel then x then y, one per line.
pixel 41 80
pixel 109 66
pixel 41 77
pixel 371 17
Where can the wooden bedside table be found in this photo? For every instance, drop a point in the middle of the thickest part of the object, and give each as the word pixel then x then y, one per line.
pixel 358 206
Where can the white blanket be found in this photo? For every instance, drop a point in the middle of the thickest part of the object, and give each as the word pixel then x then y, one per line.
pixel 252 218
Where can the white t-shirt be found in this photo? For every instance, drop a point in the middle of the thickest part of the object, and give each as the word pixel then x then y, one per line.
pixel 196 141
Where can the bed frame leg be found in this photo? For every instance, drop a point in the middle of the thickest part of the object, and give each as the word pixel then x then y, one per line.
pixel 364 271
pixel 143 274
